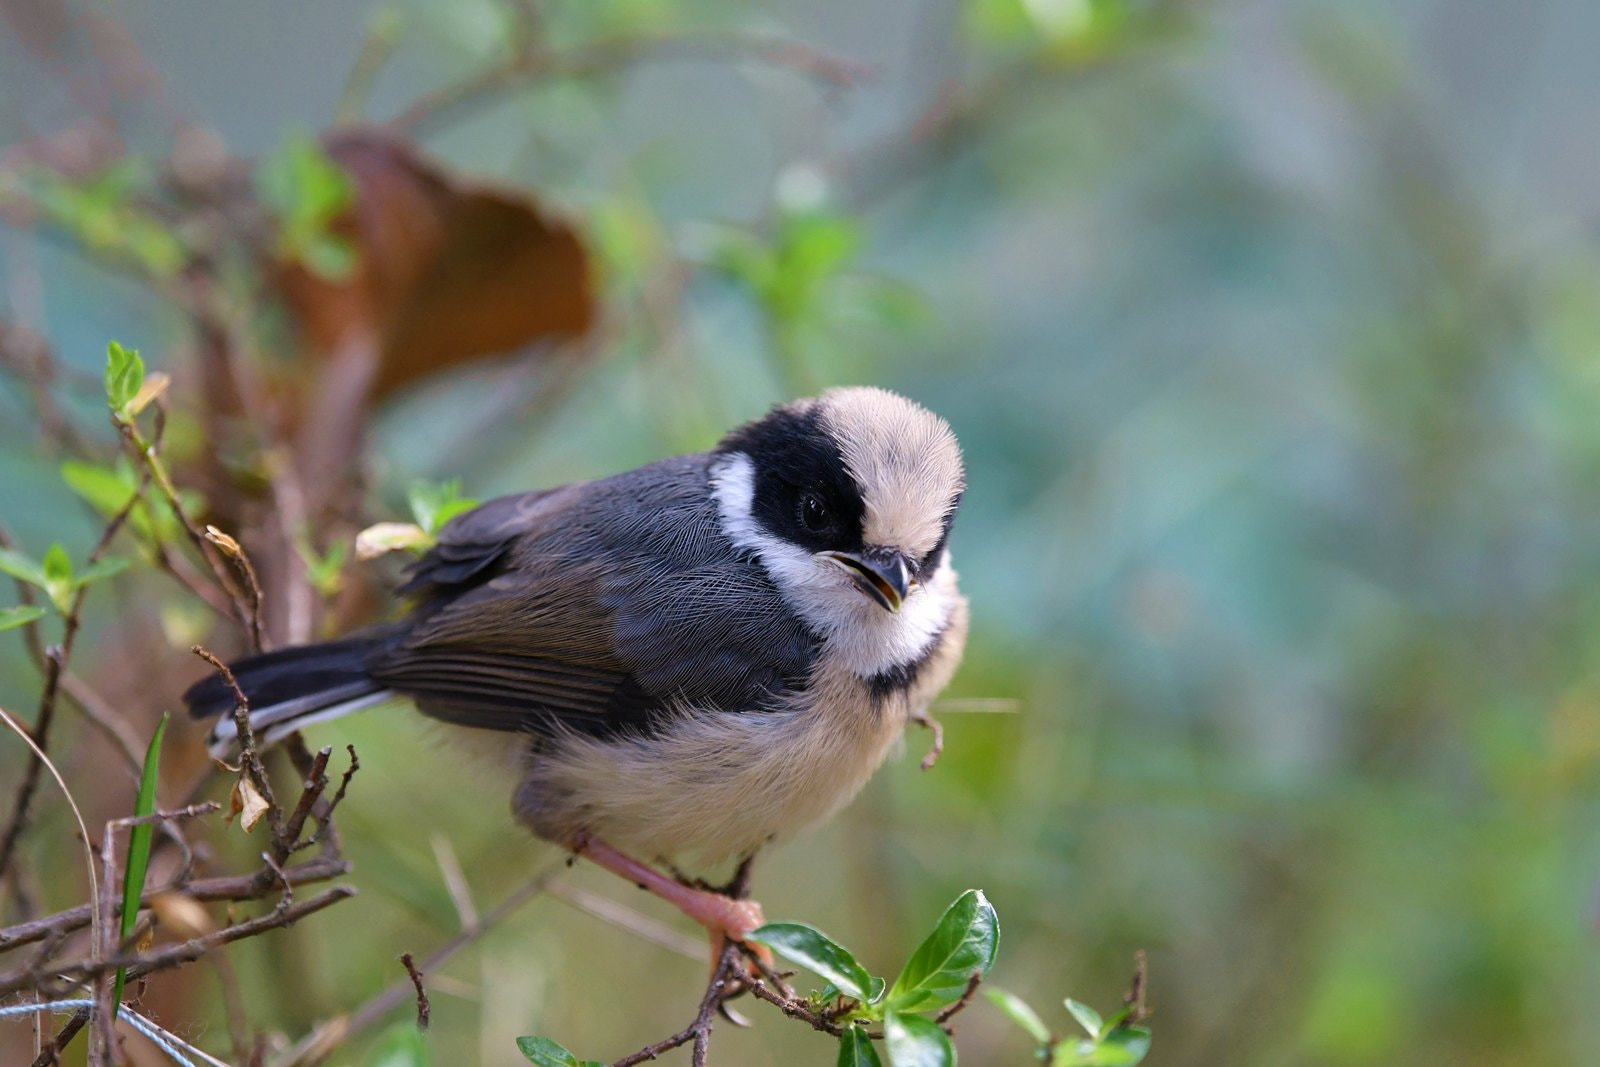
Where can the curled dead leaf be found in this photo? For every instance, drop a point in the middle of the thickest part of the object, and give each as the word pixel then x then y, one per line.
pixel 247 802
pixel 448 268
pixel 382 538
pixel 229 546
pixel 155 385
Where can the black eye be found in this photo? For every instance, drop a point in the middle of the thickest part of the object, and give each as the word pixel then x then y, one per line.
pixel 814 513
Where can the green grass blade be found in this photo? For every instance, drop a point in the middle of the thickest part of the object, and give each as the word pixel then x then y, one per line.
pixel 139 838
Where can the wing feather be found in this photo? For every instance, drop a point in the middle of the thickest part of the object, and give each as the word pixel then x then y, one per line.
pixel 600 607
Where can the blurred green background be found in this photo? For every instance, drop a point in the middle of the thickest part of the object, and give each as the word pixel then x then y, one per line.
pixel 1270 332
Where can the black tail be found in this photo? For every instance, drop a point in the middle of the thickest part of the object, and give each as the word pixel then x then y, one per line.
pixel 291 685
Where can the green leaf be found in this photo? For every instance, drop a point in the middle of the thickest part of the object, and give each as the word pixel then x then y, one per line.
pixel 1017 1010
pixel 22 568
pixel 915 1041
pixel 855 1049
pixel 434 505
pixel 107 489
pixel 1120 1048
pixel 57 564
pixel 546 1053
pixel 815 951
pixel 124 375
pixel 402 1045
pixel 11 618
pixel 1131 1042
pixel 58 578
pixel 963 944
pixel 139 838
pixel 1087 1017
pixel 308 192
pixel 100 571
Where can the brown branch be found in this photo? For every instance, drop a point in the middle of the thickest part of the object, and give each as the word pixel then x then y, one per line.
pixel 424 1012
pixel 316 781
pixel 1134 999
pixel 235 554
pixel 141 964
pixel 236 888
pixel 56 659
pixel 723 984
pixel 966 998
pixel 146 454
pixel 249 759
pixel 103 717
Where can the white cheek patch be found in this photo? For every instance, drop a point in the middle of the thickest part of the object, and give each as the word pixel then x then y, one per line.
pixel 863 636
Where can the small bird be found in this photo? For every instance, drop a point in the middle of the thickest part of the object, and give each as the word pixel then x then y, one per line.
pixel 692 658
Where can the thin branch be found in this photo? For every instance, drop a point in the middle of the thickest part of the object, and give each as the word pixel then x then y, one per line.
pixel 523 67
pixel 320 1043
pixel 236 888
pixel 249 758
pixel 424 1012
pixel 103 717
pixel 57 659
pixel 139 964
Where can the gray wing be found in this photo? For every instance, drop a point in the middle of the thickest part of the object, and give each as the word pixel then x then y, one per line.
pixel 602 607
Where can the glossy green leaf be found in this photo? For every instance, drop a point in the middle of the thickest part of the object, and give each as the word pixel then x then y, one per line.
pixel 1087 1017
pixel 58 584
pixel 124 375
pixel 22 568
pixel 11 618
pixel 139 838
pixel 1120 1048
pixel 308 191
pixel 856 1050
pixel 963 944
pixel 107 489
pixel 57 565
pixel 100 571
pixel 434 505
pixel 546 1053
pixel 916 1041
pixel 816 952
pixel 1017 1010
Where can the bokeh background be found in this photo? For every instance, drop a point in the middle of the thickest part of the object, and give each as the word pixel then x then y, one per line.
pixel 1272 334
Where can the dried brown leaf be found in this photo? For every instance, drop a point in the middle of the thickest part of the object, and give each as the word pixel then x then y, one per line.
pixel 247 802
pixel 450 268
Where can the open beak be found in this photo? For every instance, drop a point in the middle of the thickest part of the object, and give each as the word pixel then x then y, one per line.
pixel 881 573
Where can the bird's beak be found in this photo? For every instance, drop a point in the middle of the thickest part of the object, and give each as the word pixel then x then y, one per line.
pixel 881 573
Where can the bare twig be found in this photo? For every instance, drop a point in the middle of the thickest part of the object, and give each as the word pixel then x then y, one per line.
pixel 966 998
pixel 57 659
pixel 235 554
pixel 236 888
pixel 1135 995
pixel 525 66
pixel 424 1012
pixel 146 452
pixel 318 1044
pixel 103 717
pixel 723 984
pixel 249 758
pixel 140 964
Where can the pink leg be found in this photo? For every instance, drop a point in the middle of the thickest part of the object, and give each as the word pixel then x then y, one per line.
pixel 721 916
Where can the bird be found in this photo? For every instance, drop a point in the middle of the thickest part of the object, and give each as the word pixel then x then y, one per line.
pixel 689 659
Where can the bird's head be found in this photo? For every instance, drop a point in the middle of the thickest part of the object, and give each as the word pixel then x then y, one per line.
pixel 847 500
